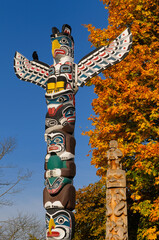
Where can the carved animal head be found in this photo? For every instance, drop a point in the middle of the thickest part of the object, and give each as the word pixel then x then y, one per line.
pixel 59 224
pixel 62 43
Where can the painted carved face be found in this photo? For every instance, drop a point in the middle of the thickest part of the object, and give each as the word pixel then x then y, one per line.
pixel 58 100
pixel 62 46
pixel 62 43
pixel 55 142
pixel 59 224
pixel 63 116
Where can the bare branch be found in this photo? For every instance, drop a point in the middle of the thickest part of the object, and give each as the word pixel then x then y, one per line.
pixel 8 186
pixel 21 228
pixel 20 178
pixel 7 146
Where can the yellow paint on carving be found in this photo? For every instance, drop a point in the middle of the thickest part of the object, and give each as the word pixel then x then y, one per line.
pixel 55 45
pixel 51 224
pixel 51 86
pixel 60 85
pixel 55 87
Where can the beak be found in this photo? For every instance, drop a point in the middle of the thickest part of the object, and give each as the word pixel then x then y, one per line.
pixel 55 45
pixel 51 225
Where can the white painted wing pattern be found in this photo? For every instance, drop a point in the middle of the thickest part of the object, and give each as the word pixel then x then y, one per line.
pixel 104 57
pixel 31 71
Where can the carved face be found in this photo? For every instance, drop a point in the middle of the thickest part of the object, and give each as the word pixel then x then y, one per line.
pixel 62 46
pixel 55 142
pixel 63 116
pixel 59 224
pixel 58 100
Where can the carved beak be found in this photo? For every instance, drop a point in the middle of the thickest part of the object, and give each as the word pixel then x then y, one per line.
pixel 55 45
pixel 51 225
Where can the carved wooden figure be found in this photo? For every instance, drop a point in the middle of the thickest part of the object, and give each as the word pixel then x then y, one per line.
pixel 61 81
pixel 116 225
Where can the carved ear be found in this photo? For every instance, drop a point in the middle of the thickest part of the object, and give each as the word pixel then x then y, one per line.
pixel 66 29
pixel 54 31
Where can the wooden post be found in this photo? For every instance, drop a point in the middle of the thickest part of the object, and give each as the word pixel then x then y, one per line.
pixel 116 205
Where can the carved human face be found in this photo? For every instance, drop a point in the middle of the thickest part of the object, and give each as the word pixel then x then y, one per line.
pixel 55 142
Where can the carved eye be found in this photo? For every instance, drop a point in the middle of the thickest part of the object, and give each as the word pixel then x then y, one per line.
pixel 58 140
pixel 64 41
pixel 61 220
pixel 61 99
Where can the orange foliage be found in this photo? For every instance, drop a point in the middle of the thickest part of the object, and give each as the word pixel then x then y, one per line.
pixel 127 107
pixel 90 212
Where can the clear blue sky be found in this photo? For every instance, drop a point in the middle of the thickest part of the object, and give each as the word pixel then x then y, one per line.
pixel 25 26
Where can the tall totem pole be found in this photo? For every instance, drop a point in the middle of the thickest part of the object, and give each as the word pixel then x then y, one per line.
pixel 61 81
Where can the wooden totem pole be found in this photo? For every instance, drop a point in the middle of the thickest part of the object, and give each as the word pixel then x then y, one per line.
pixel 61 81
pixel 116 225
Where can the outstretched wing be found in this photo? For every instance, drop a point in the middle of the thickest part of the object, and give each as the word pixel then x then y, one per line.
pixel 103 57
pixel 31 71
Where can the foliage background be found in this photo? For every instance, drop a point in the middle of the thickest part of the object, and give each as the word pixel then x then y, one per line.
pixel 126 110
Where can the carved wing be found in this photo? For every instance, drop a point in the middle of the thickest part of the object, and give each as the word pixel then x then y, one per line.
pixel 103 57
pixel 31 71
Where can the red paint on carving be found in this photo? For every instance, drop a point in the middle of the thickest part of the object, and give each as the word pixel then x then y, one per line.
pixel 53 147
pixel 74 100
pixel 52 111
pixel 70 76
pixel 102 54
pixel 89 63
pixel 53 234
pixel 82 67
pixel 59 51
pixel 96 58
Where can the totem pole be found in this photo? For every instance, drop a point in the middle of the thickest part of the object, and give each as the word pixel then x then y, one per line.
pixel 61 81
pixel 116 224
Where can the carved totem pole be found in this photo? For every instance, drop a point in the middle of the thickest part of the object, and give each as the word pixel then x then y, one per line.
pixel 61 81
pixel 116 225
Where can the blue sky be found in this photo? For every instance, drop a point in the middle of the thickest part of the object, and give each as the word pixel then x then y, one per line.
pixel 26 26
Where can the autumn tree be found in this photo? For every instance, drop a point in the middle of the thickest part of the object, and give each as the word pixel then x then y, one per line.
pixel 90 212
pixel 127 107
